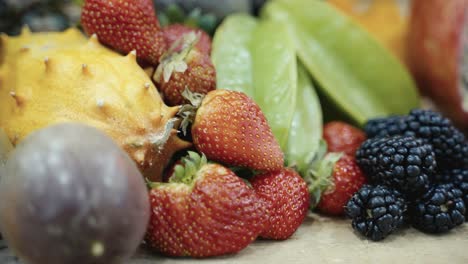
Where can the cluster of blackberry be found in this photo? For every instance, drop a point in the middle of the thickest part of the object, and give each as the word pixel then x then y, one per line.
pixel 417 167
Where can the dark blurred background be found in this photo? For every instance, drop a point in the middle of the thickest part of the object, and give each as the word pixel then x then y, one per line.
pixel 57 15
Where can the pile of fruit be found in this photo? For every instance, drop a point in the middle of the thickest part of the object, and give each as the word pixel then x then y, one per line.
pixel 417 167
pixel 138 133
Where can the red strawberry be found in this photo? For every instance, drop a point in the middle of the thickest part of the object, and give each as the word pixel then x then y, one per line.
pixel 342 137
pixel 230 128
pixel 286 198
pixel 205 210
pixel 125 25
pixel 346 178
pixel 174 32
pixel 183 68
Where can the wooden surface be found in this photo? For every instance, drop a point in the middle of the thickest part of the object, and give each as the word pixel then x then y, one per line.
pixel 326 240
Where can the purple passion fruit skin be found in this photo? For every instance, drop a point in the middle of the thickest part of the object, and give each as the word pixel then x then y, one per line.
pixel 69 194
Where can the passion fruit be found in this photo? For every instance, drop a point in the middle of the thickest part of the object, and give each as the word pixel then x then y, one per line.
pixel 69 194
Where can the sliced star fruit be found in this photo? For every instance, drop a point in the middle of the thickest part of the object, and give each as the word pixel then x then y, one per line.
pixel 306 128
pixel 351 68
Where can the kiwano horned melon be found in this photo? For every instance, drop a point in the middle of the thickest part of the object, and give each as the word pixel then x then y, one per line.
pixel 47 78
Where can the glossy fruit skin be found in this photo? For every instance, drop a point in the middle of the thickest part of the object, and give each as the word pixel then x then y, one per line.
pixel 386 126
pixel 459 179
pixel 438 210
pixel 125 26
pixel 175 31
pixel 347 178
pixel 342 137
pixel 436 47
pixel 287 200
pixel 376 211
pixel 69 194
pixel 404 163
pixel 217 214
pixel 448 142
pixel 230 128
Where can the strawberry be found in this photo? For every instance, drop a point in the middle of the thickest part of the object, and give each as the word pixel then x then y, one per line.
pixel 125 25
pixel 205 210
pixel 184 66
pixel 174 32
pixel 337 187
pixel 286 197
pixel 342 137
pixel 230 128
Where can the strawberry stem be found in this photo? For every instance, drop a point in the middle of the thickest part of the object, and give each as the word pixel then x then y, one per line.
pixel 187 171
pixel 319 173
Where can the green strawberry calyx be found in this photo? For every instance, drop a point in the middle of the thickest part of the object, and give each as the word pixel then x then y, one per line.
pixel 318 175
pixel 184 173
pixel 187 171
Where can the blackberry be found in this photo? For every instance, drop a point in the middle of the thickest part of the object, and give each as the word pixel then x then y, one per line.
pixel 376 211
pixel 401 162
pixel 459 178
pixel 439 210
pixel 451 176
pixel 448 142
pixel 387 126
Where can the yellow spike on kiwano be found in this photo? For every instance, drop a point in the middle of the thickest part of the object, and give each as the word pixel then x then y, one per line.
pixel 60 77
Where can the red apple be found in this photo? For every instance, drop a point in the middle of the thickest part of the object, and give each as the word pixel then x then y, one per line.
pixel 438 54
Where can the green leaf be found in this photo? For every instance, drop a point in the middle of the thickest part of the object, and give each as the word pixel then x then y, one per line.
pixel 259 59
pixel 306 128
pixel 360 75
